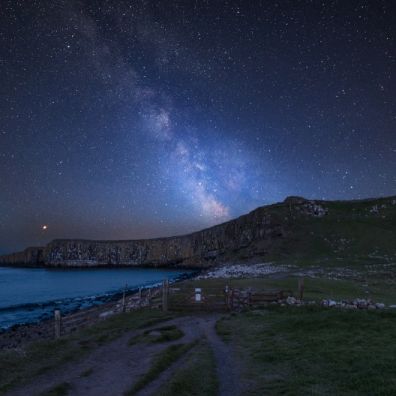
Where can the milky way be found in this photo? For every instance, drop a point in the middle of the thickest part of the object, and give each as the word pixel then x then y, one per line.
pixel 124 119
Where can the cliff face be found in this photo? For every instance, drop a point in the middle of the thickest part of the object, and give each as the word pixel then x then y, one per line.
pixel 31 256
pixel 199 249
pixel 296 227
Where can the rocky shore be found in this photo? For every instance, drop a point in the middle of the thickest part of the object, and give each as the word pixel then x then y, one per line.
pixel 20 335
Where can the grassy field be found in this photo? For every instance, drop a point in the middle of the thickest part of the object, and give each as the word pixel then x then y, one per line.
pixel 314 351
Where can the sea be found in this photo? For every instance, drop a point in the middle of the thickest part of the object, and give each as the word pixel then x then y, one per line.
pixel 29 295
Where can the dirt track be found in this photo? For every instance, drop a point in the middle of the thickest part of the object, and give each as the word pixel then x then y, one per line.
pixel 116 366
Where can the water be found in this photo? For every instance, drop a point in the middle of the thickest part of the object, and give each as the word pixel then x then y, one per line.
pixel 31 294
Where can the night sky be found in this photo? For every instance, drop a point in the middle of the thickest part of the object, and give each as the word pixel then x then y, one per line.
pixel 135 119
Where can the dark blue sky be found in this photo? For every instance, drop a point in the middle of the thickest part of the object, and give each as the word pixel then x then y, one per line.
pixel 124 119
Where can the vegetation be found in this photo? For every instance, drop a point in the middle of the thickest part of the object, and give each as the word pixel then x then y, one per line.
pixel 352 233
pixel 315 351
pixel 58 390
pixel 161 334
pixel 87 372
pixel 186 382
pixel 18 367
pixel 163 360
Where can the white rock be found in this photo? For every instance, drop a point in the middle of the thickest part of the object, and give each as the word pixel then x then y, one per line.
pixel 291 300
pixel 380 305
pixel 106 314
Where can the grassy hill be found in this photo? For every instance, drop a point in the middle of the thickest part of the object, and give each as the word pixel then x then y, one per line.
pixel 347 232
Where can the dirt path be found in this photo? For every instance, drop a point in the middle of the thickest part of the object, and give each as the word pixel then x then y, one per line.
pixel 227 367
pixel 112 369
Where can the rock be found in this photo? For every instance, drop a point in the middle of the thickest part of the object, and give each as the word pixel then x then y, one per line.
pixel 154 333
pixel 106 314
pixel 291 300
pixel 380 305
pixel 332 303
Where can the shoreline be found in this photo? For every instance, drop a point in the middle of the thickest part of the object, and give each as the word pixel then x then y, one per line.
pixel 19 335
pixel 104 266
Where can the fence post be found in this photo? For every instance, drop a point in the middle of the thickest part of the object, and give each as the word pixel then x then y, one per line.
pixel 57 314
pixel 123 299
pixel 164 295
pixel 232 299
pixel 149 296
pixel 301 288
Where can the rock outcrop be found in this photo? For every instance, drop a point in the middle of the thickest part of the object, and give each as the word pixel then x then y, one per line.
pixel 199 249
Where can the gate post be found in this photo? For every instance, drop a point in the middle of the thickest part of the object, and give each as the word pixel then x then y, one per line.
pixel 227 296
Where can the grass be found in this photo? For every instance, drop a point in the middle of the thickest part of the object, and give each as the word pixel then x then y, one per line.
pixel 350 230
pixel 87 372
pixel 162 361
pixel 314 351
pixel 197 377
pixel 58 390
pixel 160 334
pixel 18 367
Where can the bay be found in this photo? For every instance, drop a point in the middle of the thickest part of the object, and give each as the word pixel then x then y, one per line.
pixel 31 294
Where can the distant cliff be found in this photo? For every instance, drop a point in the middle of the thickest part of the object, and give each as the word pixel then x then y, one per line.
pixel 295 228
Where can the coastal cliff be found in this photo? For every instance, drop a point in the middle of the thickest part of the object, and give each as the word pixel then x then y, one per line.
pixel 295 226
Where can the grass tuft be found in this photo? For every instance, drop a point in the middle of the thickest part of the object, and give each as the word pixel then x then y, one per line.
pixel 162 361
pixel 186 382
pixel 87 372
pixel 58 390
pixel 161 334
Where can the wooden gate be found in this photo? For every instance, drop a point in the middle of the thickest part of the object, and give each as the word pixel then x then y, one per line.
pixel 218 298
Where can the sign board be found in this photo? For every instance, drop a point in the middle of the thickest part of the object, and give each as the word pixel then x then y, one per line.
pixel 198 294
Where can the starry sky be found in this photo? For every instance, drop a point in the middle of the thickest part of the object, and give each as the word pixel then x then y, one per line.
pixel 136 119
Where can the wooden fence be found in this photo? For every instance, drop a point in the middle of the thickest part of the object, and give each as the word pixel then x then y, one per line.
pixel 178 297
pixel 212 298
pixel 151 297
